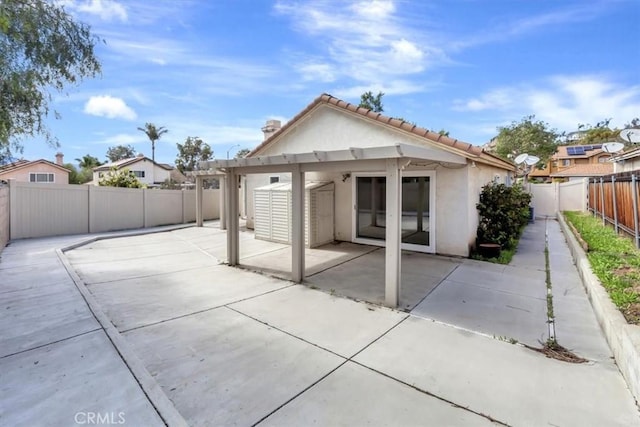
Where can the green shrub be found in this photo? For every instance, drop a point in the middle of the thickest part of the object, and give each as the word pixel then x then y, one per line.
pixel 504 211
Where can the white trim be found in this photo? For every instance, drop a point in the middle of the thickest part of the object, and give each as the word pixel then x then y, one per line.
pixel 432 211
pixel 42 173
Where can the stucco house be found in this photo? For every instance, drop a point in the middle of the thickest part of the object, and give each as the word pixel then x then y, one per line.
pixel 39 171
pixel 628 161
pixel 146 170
pixel 394 184
pixel 575 161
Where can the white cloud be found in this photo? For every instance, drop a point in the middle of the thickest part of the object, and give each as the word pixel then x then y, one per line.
pixel 562 101
pixel 110 107
pixel 105 9
pixel 123 139
pixel 368 42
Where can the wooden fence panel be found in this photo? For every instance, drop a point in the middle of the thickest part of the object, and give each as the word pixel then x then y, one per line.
pixel 616 199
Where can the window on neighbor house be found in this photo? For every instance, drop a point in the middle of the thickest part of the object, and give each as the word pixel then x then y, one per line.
pixel 566 162
pixel 139 174
pixel 602 159
pixel 41 177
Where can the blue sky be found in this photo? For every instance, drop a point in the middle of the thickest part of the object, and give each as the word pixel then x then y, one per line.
pixel 218 69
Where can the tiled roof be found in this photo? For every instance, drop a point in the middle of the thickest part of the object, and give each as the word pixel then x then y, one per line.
pixel 463 148
pixel 562 153
pixel 128 162
pixel 24 163
pixel 594 169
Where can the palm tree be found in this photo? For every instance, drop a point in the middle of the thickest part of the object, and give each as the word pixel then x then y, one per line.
pixel 153 133
pixel 88 162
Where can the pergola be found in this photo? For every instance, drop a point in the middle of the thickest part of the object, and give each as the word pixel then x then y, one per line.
pixel 391 159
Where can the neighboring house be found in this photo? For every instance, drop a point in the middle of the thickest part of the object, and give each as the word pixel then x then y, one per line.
pixel 39 171
pixel 586 157
pixel 439 190
pixel 584 171
pixel 628 161
pixel 147 172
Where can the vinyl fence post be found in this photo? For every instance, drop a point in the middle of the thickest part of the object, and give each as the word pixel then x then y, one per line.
pixel 634 197
pixel 604 222
pixel 615 208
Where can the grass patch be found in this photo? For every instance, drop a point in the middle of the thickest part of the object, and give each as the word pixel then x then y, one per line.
pixel 614 260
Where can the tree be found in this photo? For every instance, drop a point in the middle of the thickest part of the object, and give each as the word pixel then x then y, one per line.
pixel 120 152
pixel 153 133
pixel 120 178
pixel 443 132
pixel 74 175
pixel 372 102
pixel 42 49
pixel 193 151
pixel 529 136
pixel 242 153
pixel 88 162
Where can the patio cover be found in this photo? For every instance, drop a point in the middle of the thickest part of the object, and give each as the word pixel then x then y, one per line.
pixel 392 159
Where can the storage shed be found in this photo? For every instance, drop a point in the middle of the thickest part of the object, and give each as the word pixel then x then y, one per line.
pixel 272 204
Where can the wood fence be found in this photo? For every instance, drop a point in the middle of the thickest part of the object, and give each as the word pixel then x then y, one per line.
pixel 616 199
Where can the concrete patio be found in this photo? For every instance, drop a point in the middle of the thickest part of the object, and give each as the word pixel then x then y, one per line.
pixel 159 316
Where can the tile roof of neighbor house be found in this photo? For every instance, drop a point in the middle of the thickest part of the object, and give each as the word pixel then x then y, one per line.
pixel 128 162
pixel 25 163
pixel 594 169
pixel 563 154
pixel 462 148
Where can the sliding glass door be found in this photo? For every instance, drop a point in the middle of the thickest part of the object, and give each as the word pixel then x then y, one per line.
pixel 418 197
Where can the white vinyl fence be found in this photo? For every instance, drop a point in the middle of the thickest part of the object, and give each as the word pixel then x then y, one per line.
pixel 4 216
pixel 40 210
pixel 548 199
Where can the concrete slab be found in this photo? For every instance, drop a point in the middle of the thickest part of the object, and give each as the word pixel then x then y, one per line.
pixel 336 324
pixel 491 312
pixel 356 396
pixel 41 315
pixel 102 252
pixel 277 261
pixel 62 383
pixel 223 368
pixel 142 301
pixel 363 277
pixel 101 272
pixel 32 276
pixel 507 279
pixel 508 382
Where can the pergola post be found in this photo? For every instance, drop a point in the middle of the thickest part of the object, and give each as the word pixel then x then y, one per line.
pixel 233 226
pixel 393 235
pixel 223 203
pixel 297 219
pixel 199 195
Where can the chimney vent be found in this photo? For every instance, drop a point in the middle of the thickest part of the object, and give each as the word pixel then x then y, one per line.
pixel 270 128
pixel 59 159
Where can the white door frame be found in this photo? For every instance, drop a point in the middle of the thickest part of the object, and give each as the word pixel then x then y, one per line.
pixel 432 211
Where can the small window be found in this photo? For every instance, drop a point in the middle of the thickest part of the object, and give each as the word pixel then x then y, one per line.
pixel 566 162
pixel 139 174
pixel 274 179
pixel 603 159
pixel 41 177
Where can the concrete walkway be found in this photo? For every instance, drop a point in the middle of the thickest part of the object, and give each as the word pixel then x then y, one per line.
pixel 229 346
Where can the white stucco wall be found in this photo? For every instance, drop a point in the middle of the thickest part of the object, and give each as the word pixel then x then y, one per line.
pixel 456 192
pixel 152 174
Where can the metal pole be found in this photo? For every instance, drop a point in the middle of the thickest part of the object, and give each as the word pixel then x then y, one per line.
pixel 634 197
pixel 615 208
pixel 604 222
